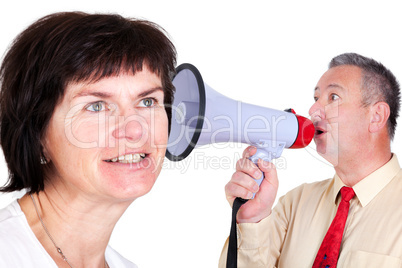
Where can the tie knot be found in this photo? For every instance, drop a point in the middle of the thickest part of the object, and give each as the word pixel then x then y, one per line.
pixel 347 193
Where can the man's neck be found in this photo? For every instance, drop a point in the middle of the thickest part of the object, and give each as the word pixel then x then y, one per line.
pixel 352 171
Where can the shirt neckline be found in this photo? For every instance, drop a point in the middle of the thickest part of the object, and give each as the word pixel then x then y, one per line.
pixel 17 208
pixel 18 211
pixel 370 186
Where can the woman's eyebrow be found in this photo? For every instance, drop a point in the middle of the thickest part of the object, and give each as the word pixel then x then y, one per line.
pixel 149 91
pixel 92 93
pixel 105 95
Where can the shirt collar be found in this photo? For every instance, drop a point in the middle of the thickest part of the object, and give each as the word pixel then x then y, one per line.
pixel 370 186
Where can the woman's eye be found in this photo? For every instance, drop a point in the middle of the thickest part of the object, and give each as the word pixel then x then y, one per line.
pixel 96 106
pixel 148 102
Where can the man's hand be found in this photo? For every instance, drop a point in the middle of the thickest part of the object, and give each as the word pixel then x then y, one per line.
pixel 243 185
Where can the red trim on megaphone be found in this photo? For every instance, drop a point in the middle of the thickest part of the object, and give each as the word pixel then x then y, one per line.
pixel 306 132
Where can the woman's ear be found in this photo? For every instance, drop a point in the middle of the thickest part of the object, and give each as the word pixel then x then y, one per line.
pixel 379 116
pixel 44 157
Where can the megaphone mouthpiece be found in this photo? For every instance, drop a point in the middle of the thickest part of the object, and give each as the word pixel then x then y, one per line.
pixel 305 134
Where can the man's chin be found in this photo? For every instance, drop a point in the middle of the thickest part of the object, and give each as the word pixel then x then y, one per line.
pixel 330 156
pixel 326 151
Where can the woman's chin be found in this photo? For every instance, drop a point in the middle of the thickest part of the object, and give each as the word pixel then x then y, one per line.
pixel 127 181
pixel 129 188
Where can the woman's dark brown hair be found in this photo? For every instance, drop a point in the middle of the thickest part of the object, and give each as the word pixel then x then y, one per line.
pixel 59 49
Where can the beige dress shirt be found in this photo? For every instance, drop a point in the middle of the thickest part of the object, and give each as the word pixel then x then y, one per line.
pixel 291 236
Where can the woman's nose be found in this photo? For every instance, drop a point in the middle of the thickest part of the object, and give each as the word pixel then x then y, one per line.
pixel 133 128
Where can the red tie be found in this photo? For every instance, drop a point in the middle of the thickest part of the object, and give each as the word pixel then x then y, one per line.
pixel 328 253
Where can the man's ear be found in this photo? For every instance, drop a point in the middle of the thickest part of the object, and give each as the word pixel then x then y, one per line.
pixel 379 116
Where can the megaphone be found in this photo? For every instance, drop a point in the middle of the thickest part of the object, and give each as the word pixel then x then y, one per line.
pixel 201 115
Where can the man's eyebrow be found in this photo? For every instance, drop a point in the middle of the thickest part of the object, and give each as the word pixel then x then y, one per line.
pixel 330 86
pixel 335 86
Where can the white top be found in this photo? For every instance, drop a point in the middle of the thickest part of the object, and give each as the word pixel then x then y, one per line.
pixel 19 246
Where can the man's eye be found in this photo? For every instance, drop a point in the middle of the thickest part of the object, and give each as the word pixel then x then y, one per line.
pixel 334 97
pixel 148 102
pixel 96 106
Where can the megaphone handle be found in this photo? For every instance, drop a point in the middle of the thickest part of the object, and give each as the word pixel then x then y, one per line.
pixel 265 155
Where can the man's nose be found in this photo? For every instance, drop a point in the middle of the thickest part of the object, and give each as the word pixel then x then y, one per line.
pixel 316 111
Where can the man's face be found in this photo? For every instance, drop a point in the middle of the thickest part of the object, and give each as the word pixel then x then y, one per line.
pixel 340 120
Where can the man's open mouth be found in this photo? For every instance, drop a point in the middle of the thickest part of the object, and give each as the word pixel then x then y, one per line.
pixel 319 131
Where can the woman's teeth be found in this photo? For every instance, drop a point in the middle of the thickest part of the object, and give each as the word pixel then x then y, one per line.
pixel 128 158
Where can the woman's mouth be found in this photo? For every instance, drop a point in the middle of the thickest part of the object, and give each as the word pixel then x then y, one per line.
pixel 128 158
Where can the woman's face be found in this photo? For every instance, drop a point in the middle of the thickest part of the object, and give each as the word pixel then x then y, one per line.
pixel 108 138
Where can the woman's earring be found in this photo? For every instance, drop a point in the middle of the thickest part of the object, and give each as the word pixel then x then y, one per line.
pixel 43 160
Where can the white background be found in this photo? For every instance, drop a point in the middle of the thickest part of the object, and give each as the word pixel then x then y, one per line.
pixel 269 53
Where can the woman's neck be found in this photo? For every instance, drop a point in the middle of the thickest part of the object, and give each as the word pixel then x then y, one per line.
pixel 80 226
